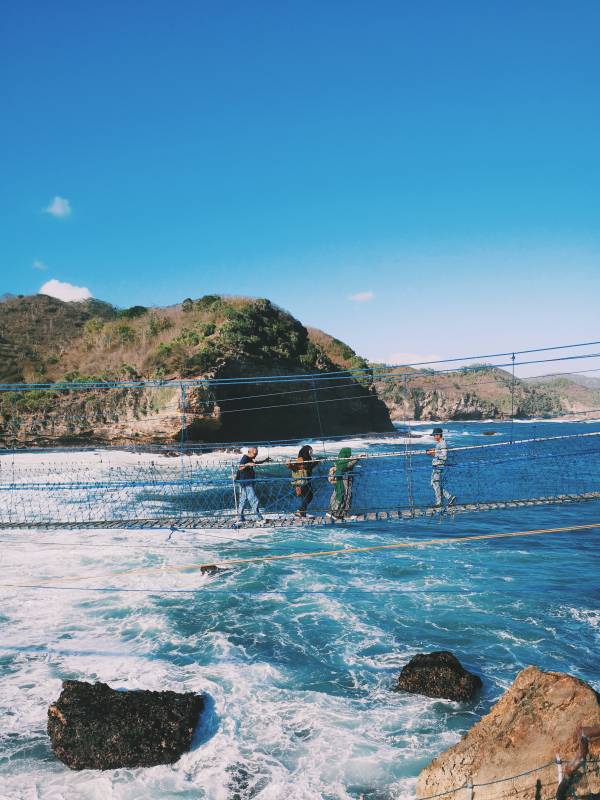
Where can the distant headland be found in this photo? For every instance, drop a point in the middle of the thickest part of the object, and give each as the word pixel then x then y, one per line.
pixel 44 340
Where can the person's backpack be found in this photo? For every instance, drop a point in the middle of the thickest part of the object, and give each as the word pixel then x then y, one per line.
pixel 299 476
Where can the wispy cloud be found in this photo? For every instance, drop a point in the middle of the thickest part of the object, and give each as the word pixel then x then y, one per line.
pixel 65 291
pixel 39 265
pixel 60 207
pixel 361 297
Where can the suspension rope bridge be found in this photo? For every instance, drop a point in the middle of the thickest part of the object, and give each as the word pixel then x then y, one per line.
pixel 108 489
pixel 147 488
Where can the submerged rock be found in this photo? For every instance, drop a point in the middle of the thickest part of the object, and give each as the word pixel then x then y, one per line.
pixel 438 675
pixel 534 720
pixel 92 726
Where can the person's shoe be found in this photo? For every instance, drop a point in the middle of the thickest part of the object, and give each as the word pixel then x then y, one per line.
pixel 451 500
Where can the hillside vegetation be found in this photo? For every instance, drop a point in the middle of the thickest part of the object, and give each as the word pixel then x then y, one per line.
pixel 44 340
pixel 210 337
pixel 483 392
pixel 53 340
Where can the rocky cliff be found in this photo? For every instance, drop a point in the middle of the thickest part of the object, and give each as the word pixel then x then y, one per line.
pixel 92 344
pixel 538 718
pixel 80 349
pixel 482 393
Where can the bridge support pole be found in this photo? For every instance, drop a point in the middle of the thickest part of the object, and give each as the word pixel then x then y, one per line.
pixel 235 500
pixel 559 769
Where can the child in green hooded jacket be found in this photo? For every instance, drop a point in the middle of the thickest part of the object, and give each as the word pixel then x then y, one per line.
pixel 341 476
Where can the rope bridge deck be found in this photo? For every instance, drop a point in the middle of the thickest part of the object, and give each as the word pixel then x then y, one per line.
pixel 287 520
pixel 125 489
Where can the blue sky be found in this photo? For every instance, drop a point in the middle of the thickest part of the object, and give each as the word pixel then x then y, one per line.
pixel 442 157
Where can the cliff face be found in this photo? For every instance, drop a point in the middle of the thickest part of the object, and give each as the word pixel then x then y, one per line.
pixel 44 340
pixel 91 343
pixel 433 404
pixel 538 717
pixel 571 394
pixel 485 393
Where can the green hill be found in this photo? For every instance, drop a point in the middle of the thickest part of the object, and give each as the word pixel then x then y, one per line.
pixel 481 393
pixel 52 342
pixel 44 340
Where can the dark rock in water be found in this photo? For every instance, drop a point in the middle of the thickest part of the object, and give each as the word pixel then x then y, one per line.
pixel 438 675
pixel 92 726
pixel 209 569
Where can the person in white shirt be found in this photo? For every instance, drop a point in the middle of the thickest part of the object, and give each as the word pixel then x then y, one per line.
pixel 438 466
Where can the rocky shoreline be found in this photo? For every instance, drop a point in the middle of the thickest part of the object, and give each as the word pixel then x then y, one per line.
pixel 110 375
pixel 92 726
pixel 536 740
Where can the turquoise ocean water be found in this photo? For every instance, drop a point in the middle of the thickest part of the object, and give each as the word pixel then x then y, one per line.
pixel 298 657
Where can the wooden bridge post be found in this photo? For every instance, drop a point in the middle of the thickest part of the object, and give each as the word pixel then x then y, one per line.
pixel 235 500
pixel 559 769
pixel 469 788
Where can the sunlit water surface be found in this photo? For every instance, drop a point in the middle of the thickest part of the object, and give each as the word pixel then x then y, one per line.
pixel 298 657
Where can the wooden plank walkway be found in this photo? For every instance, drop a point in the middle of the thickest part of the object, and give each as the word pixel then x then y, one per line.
pixel 229 522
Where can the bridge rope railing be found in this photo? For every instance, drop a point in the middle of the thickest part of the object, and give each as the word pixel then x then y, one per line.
pixel 224 446
pixel 120 486
pixel 557 786
pixel 220 450
pixel 17 414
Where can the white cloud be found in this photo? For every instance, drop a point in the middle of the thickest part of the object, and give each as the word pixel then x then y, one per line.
pixel 411 358
pixel 59 207
pixel 65 291
pixel 361 297
pixel 39 265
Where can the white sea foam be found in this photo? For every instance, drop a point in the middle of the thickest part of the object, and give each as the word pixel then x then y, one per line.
pixel 284 742
pixel 589 616
pixel 296 714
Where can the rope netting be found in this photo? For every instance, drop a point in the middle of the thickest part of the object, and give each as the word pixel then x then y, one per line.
pixel 102 487
pixel 110 480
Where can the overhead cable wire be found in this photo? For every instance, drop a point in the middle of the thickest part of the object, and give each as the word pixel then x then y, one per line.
pixel 347 551
pixel 334 375
pixel 451 377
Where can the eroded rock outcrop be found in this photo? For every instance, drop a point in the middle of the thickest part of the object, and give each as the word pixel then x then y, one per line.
pixel 92 726
pixel 440 675
pixel 536 719
pixel 111 375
